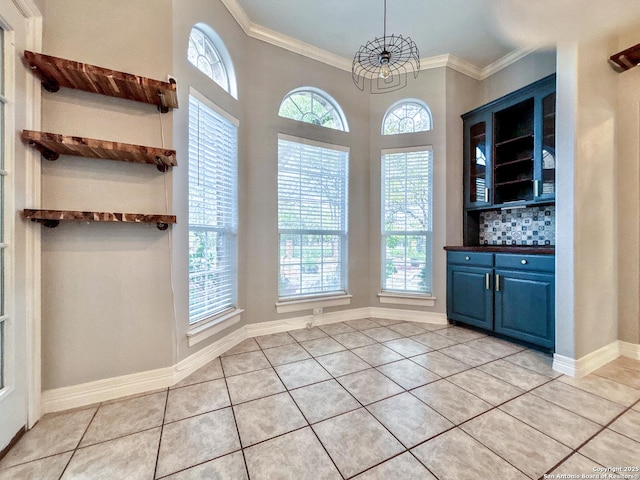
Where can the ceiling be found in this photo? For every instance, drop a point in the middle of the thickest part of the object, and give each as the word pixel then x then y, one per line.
pixel 479 35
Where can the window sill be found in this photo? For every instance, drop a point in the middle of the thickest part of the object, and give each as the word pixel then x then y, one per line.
pixel 300 304
pixel 212 326
pixel 407 299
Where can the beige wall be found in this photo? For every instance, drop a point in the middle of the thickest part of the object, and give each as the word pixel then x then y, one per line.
pixel 628 194
pixel 587 282
pixel 114 296
pixel 106 289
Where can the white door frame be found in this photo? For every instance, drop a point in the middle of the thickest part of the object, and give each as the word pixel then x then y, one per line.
pixel 23 279
pixel 33 17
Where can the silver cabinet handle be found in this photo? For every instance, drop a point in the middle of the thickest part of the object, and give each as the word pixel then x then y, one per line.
pixel 486 194
pixel 487 280
pixel 467 258
pixel 536 188
pixel 497 282
pixel 523 262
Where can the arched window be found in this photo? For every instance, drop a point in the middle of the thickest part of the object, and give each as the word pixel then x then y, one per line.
pixel 208 54
pixel 406 116
pixel 313 106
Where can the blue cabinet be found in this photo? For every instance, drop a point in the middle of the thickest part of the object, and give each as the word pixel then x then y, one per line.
pixel 509 153
pixel 511 294
pixel 470 297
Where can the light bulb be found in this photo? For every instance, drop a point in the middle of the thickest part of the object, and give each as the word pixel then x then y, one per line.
pixel 385 71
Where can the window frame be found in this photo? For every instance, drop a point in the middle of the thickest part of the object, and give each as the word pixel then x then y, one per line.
pixel 218 46
pixel 387 295
pixel 400 104
pixel 334 296
pixel 230 231
pixel 325 98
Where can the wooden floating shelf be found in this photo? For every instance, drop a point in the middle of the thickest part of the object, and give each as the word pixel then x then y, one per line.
pixel 58 72
pixel 52 145
pixel 52 218
pixel 626 59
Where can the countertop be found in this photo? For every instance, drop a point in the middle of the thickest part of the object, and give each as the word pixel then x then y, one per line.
pixel 521 249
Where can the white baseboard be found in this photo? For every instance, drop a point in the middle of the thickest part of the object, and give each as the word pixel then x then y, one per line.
pixel 587 364
pixel 111 388
pixel 631 350
pixel 408 315
pixel 102 390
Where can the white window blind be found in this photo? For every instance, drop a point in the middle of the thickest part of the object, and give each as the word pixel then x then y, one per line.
pixel 212 211
pixel 407 210
pixel 312 217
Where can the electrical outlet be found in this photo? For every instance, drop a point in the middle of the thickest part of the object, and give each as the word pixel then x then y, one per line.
pixel 317 311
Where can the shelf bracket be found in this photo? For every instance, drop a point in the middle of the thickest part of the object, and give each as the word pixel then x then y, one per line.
pixel 162 225
pixel 160 165
pixel 163 108
pixel 47 223
pixel 49 154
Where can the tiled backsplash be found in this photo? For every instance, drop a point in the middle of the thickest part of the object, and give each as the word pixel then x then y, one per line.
pixel 519 226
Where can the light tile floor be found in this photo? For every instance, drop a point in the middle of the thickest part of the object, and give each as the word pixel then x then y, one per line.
pixel 366 399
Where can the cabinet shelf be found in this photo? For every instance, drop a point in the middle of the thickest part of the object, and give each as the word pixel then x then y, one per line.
pixel 514 182
pixel 514 162
pixel 52 145
pixel 515 139
pixel 58 72
pixel 52 218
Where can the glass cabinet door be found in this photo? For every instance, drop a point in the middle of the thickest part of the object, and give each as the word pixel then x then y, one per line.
pixel 477 164
pixel 547 189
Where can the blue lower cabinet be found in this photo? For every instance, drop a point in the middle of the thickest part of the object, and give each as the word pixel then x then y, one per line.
pixel 525 306
pixel 469 297
pixel 511 294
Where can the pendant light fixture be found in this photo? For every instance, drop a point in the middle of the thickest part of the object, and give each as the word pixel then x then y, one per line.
pixel 385 62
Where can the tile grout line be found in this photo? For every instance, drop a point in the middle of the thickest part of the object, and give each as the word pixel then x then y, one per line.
pixel 309 425
pixel 361 406
pixel 235 421
pixel 80 441
pixel 164 415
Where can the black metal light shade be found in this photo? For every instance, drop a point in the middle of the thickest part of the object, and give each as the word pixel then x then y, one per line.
pixel 385 62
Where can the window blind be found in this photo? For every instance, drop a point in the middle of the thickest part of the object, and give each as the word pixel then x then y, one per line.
pixel 212 211
pixel 312 217
pixel 407 211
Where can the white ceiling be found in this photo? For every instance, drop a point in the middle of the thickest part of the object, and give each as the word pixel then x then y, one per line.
pixel 478 34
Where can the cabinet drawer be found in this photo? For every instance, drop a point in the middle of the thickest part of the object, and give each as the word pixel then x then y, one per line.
pixel 476 259
pixel 538 263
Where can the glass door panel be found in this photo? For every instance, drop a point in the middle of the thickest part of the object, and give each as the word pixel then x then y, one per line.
pixel 548 146
pixel 477 156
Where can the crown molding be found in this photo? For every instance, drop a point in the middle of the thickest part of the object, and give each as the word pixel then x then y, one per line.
pixel 505 61
pixel 296 46
pixel 464 67
pixel 239 14
pixel 291 44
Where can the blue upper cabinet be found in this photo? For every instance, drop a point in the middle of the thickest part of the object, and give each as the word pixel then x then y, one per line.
pixel 509 149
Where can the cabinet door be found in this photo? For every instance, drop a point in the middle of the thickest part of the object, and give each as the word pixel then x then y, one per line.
pixel 477 161
pixel 470 296
pixel 525 306
pixel 545 159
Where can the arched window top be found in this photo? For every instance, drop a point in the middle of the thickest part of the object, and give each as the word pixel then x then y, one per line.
pixel 311 105
pixel 407 116
pixel 208 54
